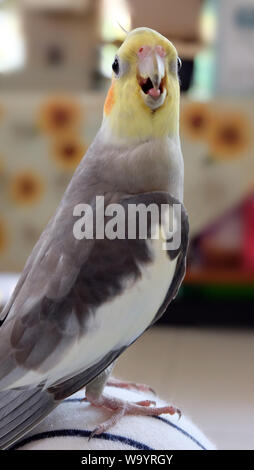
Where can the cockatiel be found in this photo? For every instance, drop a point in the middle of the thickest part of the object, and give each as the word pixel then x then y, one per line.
pixel 80 303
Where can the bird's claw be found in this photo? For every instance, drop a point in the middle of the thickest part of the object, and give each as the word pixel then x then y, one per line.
pixel 121 408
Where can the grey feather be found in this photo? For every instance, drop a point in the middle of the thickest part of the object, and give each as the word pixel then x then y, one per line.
pixel 21 411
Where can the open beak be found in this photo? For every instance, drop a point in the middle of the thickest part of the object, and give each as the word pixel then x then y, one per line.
pixel 151 76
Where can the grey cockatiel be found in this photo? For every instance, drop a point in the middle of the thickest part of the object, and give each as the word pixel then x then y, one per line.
pixel 80 302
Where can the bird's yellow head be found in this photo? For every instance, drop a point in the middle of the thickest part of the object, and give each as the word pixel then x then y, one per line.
pixel 143 100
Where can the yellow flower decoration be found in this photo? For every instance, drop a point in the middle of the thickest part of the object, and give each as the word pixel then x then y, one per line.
pixel 59 114
pixel 26 188
pixel 68 152
pixel 3 236
pixel 230 136
pixel 196 119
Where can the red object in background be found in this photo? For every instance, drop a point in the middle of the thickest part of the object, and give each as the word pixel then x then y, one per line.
pixel 248 235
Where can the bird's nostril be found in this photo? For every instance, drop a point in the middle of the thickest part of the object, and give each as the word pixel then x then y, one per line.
pixel 161 51
pixel 144 51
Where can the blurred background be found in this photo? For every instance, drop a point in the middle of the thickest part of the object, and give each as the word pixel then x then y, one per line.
pixel 55 69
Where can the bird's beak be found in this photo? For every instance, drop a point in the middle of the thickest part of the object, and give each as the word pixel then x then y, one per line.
pixel 151 75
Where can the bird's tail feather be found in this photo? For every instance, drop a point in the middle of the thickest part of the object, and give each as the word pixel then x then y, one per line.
pixel 20 411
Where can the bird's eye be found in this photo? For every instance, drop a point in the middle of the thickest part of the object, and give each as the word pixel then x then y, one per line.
pixel 179 63
pixel 115 66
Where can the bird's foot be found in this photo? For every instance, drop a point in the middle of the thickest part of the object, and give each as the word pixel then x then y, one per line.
pixel 122 408
pixel 112 382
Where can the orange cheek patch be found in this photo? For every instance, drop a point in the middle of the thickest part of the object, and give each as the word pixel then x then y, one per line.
pixel 110 100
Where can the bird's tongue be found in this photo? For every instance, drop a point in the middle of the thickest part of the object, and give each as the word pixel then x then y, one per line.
pixel 154 92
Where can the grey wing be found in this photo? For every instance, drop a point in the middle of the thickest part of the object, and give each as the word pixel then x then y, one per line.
pixel 64 281
pixel 51 307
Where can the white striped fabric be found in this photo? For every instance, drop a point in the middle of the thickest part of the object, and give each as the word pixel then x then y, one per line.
pixel 68 428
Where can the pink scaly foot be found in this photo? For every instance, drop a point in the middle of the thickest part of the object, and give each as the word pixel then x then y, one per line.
pixel 112 382
pixel 122 408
